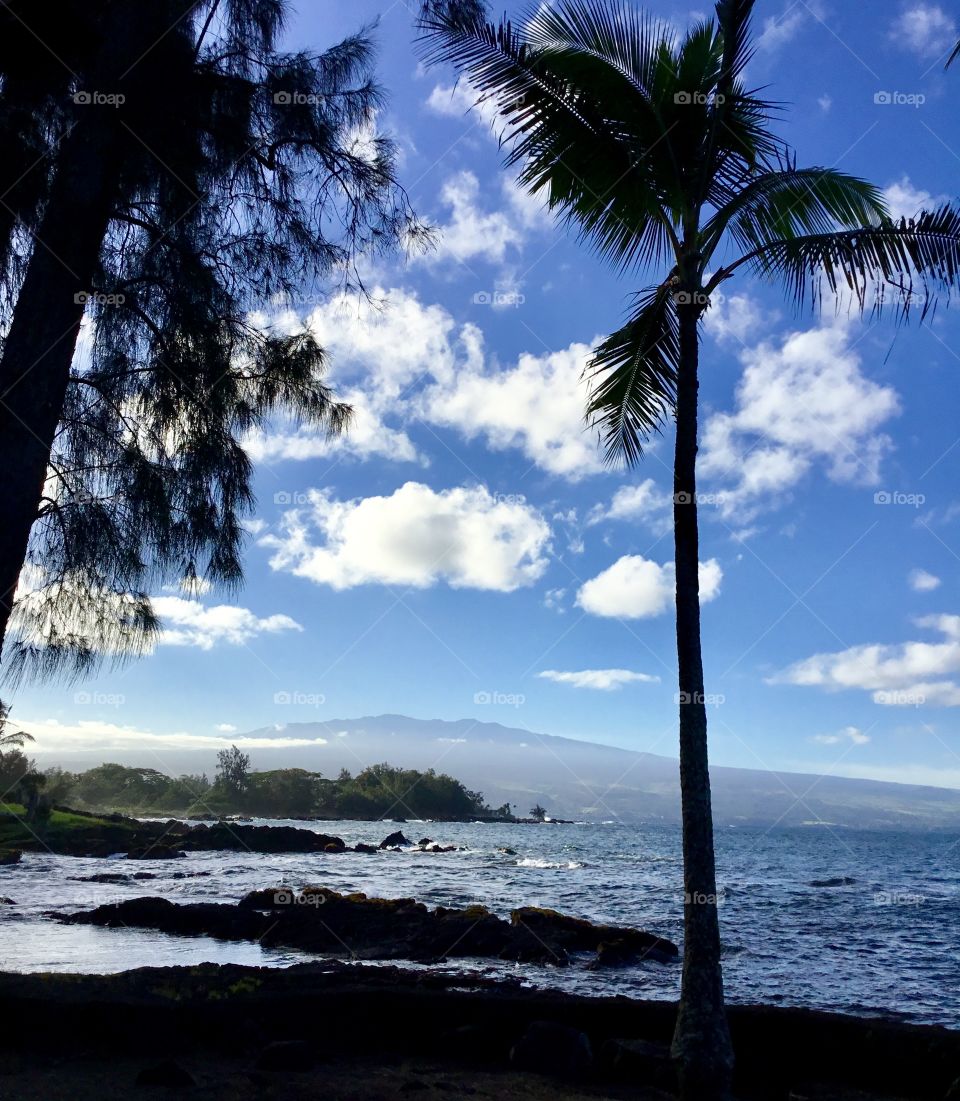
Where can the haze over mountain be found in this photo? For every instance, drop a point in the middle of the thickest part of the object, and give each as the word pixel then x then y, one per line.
pixel 575 779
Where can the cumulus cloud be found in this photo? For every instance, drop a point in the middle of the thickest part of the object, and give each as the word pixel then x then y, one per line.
pixel 604 680
pixel 904 200
pixel 535 406
pixel 923 582
pixel 97 737
pixel 409 362
pixel 735 317
pixel 635 587
pixel 472 233
pixel 907 674
pixel 225 728
pixel 417 537
pixel 925 29
pixel 461 100
pixel 367 437
pixel 188 623
pixel 800 402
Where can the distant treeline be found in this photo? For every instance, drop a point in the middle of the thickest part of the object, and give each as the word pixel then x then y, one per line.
pixel 380 791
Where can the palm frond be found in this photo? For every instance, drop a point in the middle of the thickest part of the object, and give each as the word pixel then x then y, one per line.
pixel 571 88
pixel 912 263
pixel 633 376
pixel 792 202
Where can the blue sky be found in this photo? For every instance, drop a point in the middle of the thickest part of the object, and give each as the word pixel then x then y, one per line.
pixel 464 553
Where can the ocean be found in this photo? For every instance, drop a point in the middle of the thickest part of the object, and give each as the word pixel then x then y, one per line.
pixel 887 943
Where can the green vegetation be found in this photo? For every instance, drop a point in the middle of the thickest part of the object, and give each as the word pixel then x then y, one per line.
pixel 380 791
pixel 56 827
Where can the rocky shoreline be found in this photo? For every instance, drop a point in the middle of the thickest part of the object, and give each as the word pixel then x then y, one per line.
pixel 335 1028
pixel 322 921
pixel 109 835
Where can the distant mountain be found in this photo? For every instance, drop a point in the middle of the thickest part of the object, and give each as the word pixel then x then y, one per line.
pixel 583 780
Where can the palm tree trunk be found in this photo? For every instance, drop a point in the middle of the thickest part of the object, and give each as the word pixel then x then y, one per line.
pixel 39 347
pixel 701 1043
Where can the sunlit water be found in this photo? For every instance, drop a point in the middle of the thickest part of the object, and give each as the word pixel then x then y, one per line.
pixel 888 944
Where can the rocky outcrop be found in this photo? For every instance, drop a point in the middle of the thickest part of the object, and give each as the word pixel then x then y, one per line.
pixel 578 935
pixel 317 919
pixel 10 856
pixel 395 840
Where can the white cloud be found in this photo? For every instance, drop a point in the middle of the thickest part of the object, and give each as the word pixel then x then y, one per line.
pixel 55 737
pixel 413 362
pixel 225 728
pixel 734 317
pixel 904 200
pixel 367 436
pixel 390 338
pixel 417 537
pixel 778 30
pixel 801 402
pixel 604 680
pixel 925 29
pixel 908 674
pixel 644 502
pixel 922 582
pixel 188 623
pixel 848 733
pixel 472 233
pixel 635 587
pixel 825 102
pixel 461 100
pixel 536 406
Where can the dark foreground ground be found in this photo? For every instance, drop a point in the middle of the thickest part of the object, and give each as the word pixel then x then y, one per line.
pixel 345 1031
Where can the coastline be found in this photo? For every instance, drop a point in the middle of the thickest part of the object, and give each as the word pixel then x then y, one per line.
pixel 336 1025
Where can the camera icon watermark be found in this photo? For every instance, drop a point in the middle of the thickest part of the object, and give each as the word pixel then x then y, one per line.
pixel 699 99
pixel 99 99
pixel 899 697
pixel 99 699
pixel 894 497
pixel 288 497
pixel 705 699
pixel 499 699
pixel 299 699
pixel 899 99
pixel 86 298
pixel 499 300
pixel 286 897
pixel 298 99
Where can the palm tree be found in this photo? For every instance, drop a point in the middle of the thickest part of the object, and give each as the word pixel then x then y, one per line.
pixel 182 171
pixel 655 151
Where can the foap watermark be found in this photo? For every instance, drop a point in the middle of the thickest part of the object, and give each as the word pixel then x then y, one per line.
pixel 99 699
pixel 707 699
pixel 899 697
pixel 299 699
pixel 898 898
pixel 288 497
pixel 510 498
pixel 500 300
pixel 701 898
pixel 99 99
pixel 895 497
pixel 284 896
pixel 691 298
pixel 499 699
pixel 899 99
pixel 715 499
pixel 298 99
pixel 96 298
pixel 698 99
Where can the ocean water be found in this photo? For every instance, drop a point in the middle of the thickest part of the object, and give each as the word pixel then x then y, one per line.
pixel 887 944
